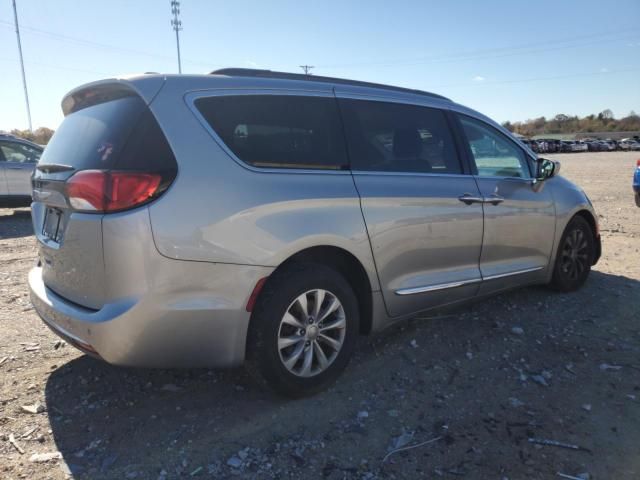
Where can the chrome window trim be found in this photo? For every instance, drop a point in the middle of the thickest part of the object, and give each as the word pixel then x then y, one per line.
pixel 444 286
pixel 402 98
pixel 191 97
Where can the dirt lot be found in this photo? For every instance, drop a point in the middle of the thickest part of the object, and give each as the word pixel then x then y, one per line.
pixel 569 371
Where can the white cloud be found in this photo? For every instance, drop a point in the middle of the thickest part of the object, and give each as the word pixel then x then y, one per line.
pixel 604 70
pixel 478 78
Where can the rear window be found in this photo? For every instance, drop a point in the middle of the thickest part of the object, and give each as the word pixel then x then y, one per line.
pixel 118 134
pixel 278 131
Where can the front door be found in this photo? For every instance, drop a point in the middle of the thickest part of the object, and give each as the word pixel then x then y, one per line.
pixel 519 214
pixel 423 212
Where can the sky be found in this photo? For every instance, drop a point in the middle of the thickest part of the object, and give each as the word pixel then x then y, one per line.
pixel 512 60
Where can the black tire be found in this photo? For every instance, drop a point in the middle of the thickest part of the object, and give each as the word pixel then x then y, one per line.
pixel 575 256
pixel 263 358
pixel 638 199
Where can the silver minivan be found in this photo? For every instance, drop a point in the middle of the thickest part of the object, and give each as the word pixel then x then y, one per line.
pixel 266 218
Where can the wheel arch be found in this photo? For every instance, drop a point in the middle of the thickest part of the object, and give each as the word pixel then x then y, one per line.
pixel 593 224
pixel 348 265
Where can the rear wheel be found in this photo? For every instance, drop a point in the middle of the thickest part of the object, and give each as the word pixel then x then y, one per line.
pixel 575 256
pixel 303 330
pixel 638 199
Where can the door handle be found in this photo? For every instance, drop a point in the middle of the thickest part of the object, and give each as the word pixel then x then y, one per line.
pixel 468 199
pixel 494 199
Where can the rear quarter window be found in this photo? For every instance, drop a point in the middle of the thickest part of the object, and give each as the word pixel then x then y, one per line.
pixel 278 131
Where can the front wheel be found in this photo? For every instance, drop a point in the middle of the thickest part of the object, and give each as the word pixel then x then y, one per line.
pixel 575 256
pixel 303 330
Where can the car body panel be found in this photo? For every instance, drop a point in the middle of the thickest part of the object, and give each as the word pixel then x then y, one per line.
pixel 422 236
pixel 518 232
pixel 156 311
pixel 175 276
pixel 569 200
pixel 636 183
pixel 275 214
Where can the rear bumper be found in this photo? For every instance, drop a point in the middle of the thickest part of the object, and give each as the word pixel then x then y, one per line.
pixel 179 324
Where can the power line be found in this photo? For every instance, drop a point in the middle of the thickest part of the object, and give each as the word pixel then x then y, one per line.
pixel 536 79
pixel 477 54
pixel 176 24
pixel 89 43
pixel 57 67
pixel 24 77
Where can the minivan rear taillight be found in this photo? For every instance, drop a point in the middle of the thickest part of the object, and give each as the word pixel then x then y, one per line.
pixel 100 191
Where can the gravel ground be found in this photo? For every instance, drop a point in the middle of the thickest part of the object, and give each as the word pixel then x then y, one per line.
pixel 478 383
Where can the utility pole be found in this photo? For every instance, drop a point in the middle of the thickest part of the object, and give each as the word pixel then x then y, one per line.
pixel 307 69
pixel 177 26
pixel 24 78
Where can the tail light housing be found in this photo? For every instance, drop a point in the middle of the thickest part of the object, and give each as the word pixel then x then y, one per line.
pixel 101 191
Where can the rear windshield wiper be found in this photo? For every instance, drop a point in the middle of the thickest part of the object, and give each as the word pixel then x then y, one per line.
pixel 54 167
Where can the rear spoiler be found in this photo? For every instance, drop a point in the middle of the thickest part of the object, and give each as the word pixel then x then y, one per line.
pixel 144 86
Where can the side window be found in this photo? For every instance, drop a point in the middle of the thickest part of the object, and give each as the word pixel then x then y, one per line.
pixel 494 154
pixel 394 137
pixel 278 131
pixel 19 153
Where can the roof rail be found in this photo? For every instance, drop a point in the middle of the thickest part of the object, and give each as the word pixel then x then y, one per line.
pixel 254 72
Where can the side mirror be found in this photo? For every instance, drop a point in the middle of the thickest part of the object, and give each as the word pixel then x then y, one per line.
pixel 546 169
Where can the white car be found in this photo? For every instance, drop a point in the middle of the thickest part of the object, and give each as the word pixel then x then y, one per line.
pixel 18 158
pixel 629 144
pixel 579 147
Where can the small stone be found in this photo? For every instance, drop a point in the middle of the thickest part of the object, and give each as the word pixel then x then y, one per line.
pixel 413 343
pixel 586 407
pixel 514 402
pixel 469 355
pixel 363 414
pixel 234 462
pixel 517 330
pixel 170 387
pixel 45 457
pixel 35 408
pixel 393 413
pixel 540 380
pixel 605 366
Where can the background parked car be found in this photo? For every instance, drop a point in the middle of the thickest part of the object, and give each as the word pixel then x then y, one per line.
pixel 18 158
pixel 636 183
pixel 629 144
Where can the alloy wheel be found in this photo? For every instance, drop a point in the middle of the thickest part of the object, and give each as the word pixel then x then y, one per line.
pixel 575 254
pixel 311 333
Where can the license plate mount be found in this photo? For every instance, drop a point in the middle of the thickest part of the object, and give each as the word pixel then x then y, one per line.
pixel 52 227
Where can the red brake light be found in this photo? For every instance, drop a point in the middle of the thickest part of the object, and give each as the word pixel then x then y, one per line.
pixel 638 163
pixel 103 191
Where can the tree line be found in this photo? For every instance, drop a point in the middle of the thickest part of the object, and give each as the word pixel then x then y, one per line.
pixel 561 123
pixel 41 136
